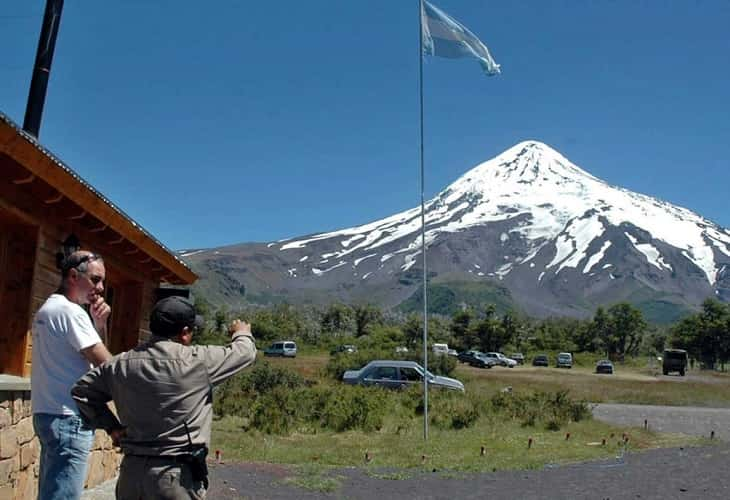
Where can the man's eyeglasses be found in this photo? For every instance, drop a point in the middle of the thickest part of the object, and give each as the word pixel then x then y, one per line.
pixel 89 257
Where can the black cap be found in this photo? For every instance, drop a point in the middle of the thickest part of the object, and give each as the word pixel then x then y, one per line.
pixel 171 315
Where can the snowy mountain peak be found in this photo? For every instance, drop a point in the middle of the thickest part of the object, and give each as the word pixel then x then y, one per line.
pixel 559 239
pixel 553 207
pixel 527 165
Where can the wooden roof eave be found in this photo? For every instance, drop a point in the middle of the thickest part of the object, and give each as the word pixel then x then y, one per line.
pixel 41 163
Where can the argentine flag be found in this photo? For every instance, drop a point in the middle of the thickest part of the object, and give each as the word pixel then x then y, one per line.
pixel 444 36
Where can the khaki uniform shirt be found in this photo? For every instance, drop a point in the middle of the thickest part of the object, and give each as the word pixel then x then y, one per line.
pixel 163 392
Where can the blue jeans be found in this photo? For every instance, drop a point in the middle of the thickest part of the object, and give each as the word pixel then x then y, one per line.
pixel 65 445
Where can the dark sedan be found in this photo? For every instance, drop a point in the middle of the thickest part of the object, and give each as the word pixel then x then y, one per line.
pixel 540 360
pixel 604 366
pixel 468 356
pixel 482 361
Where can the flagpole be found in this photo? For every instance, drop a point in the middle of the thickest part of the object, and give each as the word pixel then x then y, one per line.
pixel 423 228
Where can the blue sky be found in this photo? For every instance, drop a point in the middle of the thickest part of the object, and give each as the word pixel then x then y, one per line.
pixel 223 122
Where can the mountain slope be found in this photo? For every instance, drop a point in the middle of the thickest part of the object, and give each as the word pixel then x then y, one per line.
pixel 560 240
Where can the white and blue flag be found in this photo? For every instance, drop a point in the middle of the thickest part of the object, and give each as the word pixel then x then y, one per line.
pixel 444 36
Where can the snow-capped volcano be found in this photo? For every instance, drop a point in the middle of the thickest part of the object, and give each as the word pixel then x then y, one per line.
pixel 548 231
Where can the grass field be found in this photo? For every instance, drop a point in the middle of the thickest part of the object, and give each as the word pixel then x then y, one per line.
pixel 506 444
pixel 634 382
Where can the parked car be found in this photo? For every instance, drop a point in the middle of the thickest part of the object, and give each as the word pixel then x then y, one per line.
pixel 501 359
pixel 401 349
pixel 440 349
pixel 674 360
pixel 565 360
pixel 397 375
pixel 452 352
pixel 343 349
pixel 467 356
pixel 519 357
pixel 480 360
pixel 540 360
pixel 604 366
pixel 284 349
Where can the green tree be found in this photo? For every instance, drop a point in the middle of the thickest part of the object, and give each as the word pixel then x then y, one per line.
pixel 488 331
pixel 705 335
pixel 338 320
pixel 366 316
pixel 626 329
pixel 413 329
pixel 221 319
pixel 461 329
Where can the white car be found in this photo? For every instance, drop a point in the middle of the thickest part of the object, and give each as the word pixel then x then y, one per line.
pixel 501 359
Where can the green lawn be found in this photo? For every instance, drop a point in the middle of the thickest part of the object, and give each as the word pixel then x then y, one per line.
pixel 399 443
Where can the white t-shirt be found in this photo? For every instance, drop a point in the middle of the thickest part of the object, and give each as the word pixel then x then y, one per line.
pixel 61 329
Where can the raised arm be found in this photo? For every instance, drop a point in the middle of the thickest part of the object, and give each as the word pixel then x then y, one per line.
pixel 225 361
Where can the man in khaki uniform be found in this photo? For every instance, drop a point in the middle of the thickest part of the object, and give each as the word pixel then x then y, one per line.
pixel 163 395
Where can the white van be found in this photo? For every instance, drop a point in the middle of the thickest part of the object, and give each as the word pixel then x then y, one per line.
pixel 284 349
pixel 440 349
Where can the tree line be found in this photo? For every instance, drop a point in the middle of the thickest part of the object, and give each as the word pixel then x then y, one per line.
pixel 616 331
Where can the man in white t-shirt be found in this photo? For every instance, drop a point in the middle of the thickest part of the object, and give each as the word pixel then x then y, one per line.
pixel 66 344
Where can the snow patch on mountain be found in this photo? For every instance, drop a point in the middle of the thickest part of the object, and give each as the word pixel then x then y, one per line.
pixel 651 253
pixel 597 257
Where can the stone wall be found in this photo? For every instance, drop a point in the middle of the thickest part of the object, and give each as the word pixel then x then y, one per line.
pixel 20 450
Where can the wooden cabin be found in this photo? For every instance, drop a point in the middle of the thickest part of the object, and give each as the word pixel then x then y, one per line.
pixel 47 211
pixel 44 204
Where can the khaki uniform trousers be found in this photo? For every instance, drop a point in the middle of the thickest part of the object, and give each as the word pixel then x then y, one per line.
pixel 143 478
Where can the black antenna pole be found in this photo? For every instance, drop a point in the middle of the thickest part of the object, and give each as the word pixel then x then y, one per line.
pixel 42 68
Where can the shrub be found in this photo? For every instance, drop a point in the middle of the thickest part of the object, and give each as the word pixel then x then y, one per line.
pixel 274 412
pixel 552 409
pixel 346 407
pixel 448 409
pixel 238 395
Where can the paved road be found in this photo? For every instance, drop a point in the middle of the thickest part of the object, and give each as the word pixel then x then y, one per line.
pixel 692 421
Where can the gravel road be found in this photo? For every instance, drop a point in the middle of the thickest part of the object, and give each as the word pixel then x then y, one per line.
pixel 692 421
pixel 667 474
